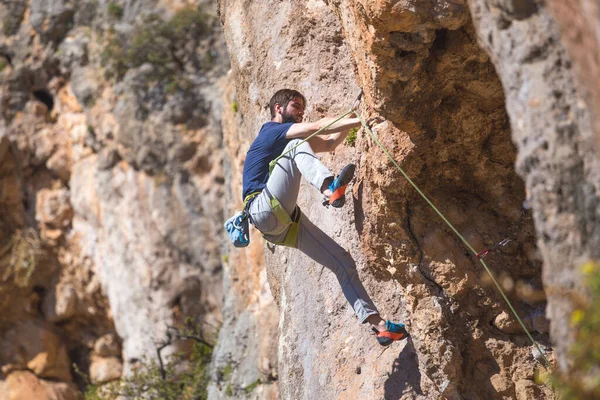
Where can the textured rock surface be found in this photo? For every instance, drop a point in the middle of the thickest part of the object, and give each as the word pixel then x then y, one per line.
pixel 557 159
pixel 580 36
pixel 422 70
pixel 110 180
pixel 24 385
pixel 105 369
pixel 35 347
pixel 111 191
pixel 246 352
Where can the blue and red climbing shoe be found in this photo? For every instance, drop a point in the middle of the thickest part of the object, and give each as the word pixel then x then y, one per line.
pixel 392 333
pixel 339 184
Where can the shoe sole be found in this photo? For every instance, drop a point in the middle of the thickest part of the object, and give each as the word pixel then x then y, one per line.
pixel 386 340
pixel 345 177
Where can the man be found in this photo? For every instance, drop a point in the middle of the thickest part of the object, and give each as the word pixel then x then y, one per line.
pixel 271 199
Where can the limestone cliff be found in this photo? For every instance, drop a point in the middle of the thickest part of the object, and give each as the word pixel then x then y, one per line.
pixel 110 186
pixel 122 141
pixel 480 105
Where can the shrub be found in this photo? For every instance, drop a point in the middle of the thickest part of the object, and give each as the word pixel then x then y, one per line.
pixel 20 257
pixel 115 10
pixel 351 138
pixel 583 380
pixel 160 43
pixel 154 381
pixel 248 389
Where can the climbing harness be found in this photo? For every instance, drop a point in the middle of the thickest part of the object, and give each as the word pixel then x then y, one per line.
pixel 290 239
pixel 293 221
pixel 238 229
pixel 479 255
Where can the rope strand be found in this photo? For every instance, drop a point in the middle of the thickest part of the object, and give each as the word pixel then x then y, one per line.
pixel 274 162
pixel 487 269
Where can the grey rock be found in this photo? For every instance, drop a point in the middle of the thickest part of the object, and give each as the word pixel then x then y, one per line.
pixel 182 152
pixel 84 85
pixel 108 158
pixel 556 156
pixel 86 13
pixel 11 15
pixel 51 19
pixel 73 52
pixel 61 304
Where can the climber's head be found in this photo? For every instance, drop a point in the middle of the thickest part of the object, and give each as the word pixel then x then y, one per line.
pixel 289 104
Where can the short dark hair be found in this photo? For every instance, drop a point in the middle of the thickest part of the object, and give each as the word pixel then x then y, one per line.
pixel 283 97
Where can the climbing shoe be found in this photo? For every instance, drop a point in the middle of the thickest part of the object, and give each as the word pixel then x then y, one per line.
pixel 339 184
pixel 392 333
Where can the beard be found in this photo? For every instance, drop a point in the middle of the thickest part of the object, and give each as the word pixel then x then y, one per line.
pixel 289 118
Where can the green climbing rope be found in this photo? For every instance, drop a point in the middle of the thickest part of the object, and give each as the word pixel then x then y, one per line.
pixel 487 269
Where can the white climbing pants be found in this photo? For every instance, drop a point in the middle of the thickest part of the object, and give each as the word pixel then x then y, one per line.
pixel 284 184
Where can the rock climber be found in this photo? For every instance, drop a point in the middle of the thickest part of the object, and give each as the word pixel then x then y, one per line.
pixel 270 199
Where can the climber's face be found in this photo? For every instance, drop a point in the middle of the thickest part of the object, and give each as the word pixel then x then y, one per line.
pixel 294 111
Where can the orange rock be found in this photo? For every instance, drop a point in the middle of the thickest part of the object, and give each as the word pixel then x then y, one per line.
pixel 53 207
pixel 24 385
pixel 35 346
pixel 105 369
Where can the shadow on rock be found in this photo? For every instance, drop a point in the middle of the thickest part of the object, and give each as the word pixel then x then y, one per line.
pixel 405 378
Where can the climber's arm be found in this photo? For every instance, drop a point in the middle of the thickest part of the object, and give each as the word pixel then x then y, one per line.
pixel 305 129
pixel 324 144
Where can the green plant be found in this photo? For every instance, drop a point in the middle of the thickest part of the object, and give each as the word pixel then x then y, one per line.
pixel 20 257
pixel 583 380
pixel 171 87
pixel 155 381
pixel 3 64
pixel 115 10
pixel 112 57
pixel 229 390
pixel 351 138
pixel 234 106
pixel 248 389
pixel 226 372
pixel 225 257
pixel 160 43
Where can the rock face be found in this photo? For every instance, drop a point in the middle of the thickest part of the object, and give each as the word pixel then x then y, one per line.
pixel 557 158
pixel 580 35
pixel 110 180
pixel 24 385
pixel 449 110
pixel 122 142
pixel 245 359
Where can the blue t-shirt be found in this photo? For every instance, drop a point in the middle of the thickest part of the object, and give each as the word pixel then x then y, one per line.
pixel 267 146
